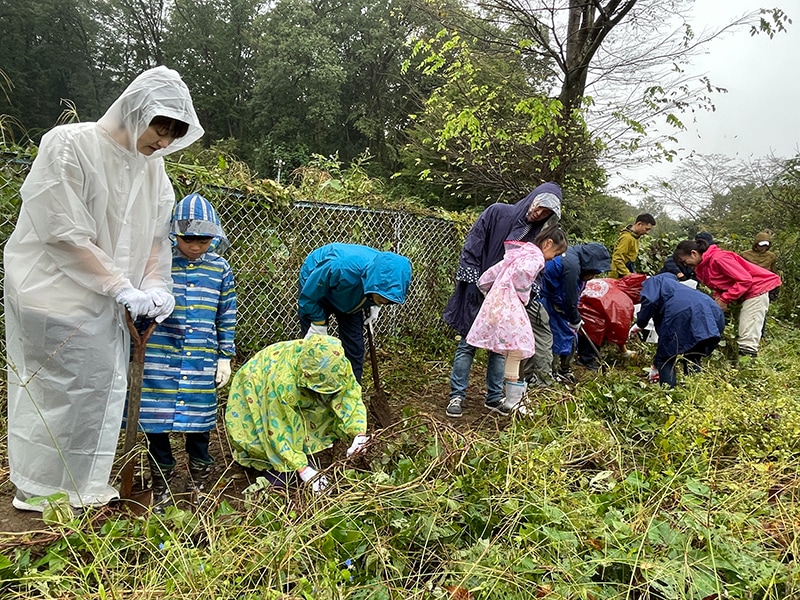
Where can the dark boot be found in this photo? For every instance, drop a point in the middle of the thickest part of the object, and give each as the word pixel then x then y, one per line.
pixel 160 478
pixel 564 372
pixel 198 475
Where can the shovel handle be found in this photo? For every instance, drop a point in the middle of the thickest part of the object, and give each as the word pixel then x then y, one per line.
pixel 373 358
pixel 135 374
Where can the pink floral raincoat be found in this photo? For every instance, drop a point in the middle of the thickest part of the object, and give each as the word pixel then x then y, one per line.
pixel 502 323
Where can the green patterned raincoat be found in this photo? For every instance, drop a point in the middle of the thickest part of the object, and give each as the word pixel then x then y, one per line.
pixel 290 400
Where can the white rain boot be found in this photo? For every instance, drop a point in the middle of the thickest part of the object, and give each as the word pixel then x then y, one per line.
pixel 515 390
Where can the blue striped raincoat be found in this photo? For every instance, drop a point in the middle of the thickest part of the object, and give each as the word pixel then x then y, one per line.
pixel 179 388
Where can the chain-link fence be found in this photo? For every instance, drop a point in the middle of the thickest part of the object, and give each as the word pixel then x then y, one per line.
pixel 270 242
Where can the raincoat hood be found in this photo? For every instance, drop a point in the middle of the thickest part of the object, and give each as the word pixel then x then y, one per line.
pixel 194 216
pixel 322 365
pixel 547 195
pixel 156 92
pixel 518 256
pixel 592 257
pixel 389 275
pixel 763 236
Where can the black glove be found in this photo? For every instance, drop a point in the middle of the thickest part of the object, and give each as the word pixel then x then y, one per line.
pixel 473 294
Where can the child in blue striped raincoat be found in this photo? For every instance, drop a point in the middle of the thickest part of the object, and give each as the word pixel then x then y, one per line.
pixel 189 354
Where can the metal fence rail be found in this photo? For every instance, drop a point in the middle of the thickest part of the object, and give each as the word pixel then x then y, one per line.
pixel 269 243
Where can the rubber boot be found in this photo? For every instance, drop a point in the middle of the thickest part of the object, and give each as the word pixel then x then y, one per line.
pixel 198 476
pixel 160 479
pixel 515 390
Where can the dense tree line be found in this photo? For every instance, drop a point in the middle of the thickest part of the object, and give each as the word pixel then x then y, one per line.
pixel 459 103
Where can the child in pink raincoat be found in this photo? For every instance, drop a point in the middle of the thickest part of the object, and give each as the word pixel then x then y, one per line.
pixel 502 324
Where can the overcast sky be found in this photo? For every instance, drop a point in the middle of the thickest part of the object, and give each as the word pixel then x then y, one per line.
pixel 760 114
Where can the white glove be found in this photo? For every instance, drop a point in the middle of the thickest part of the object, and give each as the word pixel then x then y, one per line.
pixel 634 330
pixel 358 444
pixel 373 315
pixel 576 326
pixel 223 371
pixel 318 482
pixel 316 330
pixel 136 301
pixel 163 304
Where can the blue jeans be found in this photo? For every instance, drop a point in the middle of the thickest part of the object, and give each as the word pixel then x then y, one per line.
pixel 462 363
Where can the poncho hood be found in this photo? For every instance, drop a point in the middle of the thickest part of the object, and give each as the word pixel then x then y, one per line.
pixel 158 92
pixel 325 369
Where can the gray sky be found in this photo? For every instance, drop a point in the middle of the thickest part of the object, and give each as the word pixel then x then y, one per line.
pixel 760 114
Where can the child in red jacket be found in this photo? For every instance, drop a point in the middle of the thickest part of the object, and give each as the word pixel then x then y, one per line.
pixel 731 278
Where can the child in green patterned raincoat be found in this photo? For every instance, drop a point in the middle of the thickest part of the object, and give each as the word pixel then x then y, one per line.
pixel 293 399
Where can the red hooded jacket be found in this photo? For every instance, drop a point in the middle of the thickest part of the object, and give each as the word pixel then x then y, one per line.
pixel 733 278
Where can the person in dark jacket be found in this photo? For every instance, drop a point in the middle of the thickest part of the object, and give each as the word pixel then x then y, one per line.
pixel 482 249
pixel 688 322
pixel 562 283
pixel 347 280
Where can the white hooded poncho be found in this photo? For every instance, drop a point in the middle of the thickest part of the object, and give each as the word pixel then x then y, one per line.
pixel 95 219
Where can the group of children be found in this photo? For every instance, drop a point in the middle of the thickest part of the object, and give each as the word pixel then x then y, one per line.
pixel 688 323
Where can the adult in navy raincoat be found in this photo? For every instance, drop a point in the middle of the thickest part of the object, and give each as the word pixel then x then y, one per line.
pixel 346 280
pixel 563 280
pixel 688 322
pixel 482 249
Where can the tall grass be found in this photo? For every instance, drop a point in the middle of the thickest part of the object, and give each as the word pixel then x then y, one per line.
pixel 612 489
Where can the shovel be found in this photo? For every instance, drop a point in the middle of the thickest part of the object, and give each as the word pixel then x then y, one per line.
pixel 378 404
pixel 594 348
pixel 135 375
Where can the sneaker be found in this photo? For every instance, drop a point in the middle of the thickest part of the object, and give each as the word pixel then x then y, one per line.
pixel 748 352
pixel 534 381
pixel 497 406
pixel 454 407
pixel 565 377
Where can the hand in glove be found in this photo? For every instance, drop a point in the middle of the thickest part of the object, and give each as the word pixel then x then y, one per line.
pixel 318 482
pixel 473 294
pixel 373 315
pixel 163 304
pixel 136 301
pixel 223 371
pixel 316 330
pixel 634 330
pixel 576 326
pixel 358 444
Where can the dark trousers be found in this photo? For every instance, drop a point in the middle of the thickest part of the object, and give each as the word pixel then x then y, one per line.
pixel 586 351
pixel 196 447
pixel 666 363
pixel 351 334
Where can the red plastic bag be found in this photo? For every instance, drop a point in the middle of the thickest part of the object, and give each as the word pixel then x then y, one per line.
pixel 631 284
pixel 606 310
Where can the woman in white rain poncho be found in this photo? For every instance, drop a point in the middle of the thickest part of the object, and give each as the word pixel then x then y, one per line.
pixel 91 239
